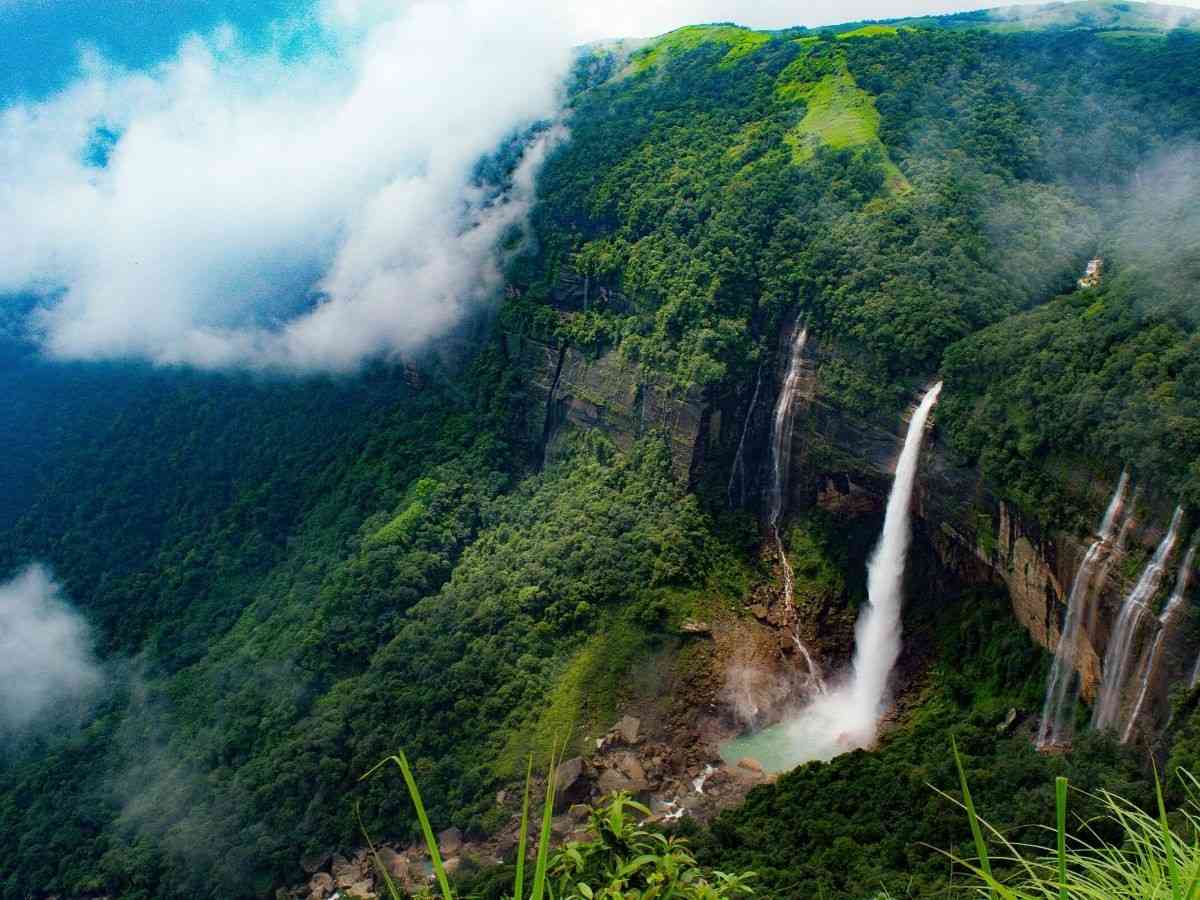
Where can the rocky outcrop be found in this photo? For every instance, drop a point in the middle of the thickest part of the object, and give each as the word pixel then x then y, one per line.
pixel 571 390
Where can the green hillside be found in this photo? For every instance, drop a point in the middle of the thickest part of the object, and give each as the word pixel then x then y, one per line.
pixel 293 579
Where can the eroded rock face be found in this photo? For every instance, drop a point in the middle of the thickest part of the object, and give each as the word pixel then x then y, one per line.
pixel 569 390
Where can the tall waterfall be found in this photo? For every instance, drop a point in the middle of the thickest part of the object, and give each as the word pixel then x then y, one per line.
pixel 1168 620
pixel 782 428
pixel 1062 688
pixel 849 716
pixel 1120 644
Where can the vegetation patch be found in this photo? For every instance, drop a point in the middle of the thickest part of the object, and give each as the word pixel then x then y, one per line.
pixel 740 41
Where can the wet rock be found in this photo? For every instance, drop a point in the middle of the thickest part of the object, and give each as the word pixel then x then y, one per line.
pixel 320 886
pixel 450 842
pixel 750 764
pixel 1006 726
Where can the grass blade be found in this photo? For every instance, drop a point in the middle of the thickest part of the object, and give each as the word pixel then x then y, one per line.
pixel 1168 840
pixel 543 854
pixel 1060 803
pixel 976 832
pixel 430 841
pixel 519 881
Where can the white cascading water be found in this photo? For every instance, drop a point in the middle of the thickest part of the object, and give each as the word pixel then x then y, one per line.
pixel 782 427
pixel 1120 644
pixel 848 717
pixel 1062 688
pixel 1168 620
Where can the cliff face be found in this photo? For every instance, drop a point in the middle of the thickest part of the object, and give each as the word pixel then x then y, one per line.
pixel 571 391
pixel 842 463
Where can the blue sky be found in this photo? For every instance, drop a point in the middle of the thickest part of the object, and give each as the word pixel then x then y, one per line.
pixel 42 38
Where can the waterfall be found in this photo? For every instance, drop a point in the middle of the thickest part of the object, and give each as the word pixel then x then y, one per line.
pixel 739 460
pixel 849 716
pixel 782 427
pixel 1120 644
pixel 781 458
pixel 1057 710
pixel 1167 621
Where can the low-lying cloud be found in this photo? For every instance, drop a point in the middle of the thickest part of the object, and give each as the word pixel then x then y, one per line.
pixel 46 660
pixel 237 208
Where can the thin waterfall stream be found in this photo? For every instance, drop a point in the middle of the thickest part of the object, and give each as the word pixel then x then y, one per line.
pixel 782 429
pixel 1168 621
pixel 1062 687
pixel 1120 644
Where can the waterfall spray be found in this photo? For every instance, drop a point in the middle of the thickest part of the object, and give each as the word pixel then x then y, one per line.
pixel 1057 710
pixel 782 427
pixel 849 716
pixel 1167 622
pixel 1120 644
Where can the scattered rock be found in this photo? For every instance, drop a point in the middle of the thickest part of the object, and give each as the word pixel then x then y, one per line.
pixel 396 865
pixel 347 874
pixel 320 886
pixel 750 764
pixel 449 842
pixel 628 729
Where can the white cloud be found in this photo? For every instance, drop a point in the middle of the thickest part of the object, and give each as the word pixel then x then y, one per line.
pixel 45 651
pixel 241 182
pixel 304 213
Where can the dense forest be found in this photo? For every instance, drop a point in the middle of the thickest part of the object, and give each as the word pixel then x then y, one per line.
pixel 290 579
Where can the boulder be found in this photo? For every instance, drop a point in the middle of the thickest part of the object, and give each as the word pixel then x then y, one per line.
pixel 631 767
pixel 750 764
pixel 627 729
pixel 570 786
pixel 692 626
pixel 362 890
pixel 580 811
pixel 613 780
pixel 320 886
pixel 1006 726
pixel 449 842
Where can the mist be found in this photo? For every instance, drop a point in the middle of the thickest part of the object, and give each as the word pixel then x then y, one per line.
pixel 46 659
